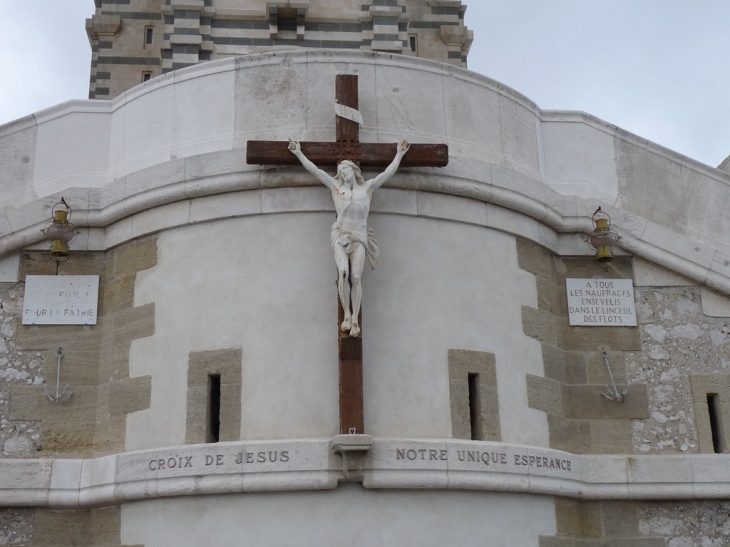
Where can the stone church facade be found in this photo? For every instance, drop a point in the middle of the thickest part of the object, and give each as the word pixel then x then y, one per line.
pixel 206 398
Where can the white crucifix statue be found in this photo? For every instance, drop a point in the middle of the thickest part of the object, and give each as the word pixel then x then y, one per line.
pixel 352 241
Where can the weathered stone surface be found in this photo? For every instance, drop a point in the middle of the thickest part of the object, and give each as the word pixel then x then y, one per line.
pixel 586 402
pixel 580 419
pixel 137 255
pixel 18 368
pixel 569 435
pixel 599 524
pixel 533 258
pixel 687 524
pixel 539 324
pixel 95 360
pixel 611 437
pixel 679 342
pixel 545 394
pixel 16 527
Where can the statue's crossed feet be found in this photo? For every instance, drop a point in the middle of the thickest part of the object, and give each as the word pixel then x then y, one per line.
pixel 348 325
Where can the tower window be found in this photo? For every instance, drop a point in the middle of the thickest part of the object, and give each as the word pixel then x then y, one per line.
pixel 414 43
pixel 146 75
pixel 149 35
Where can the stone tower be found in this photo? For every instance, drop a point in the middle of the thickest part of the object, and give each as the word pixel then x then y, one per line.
pixel 135 40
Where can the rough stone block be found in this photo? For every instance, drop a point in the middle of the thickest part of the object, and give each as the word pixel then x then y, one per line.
pixel 539 324
pixel 586 268
pixel 54 528
pixel 596 372
pixel 637 541
pixel 129 395
pixel 31 403
pixel 586 402
pixel 197 415
pixel 47 337
pixel 460 414
pixel 611 437
pixel 226 362
pixel 557 541
pixel 704 431
pixel 79 263
pixel 551 297
pixel 533 258
pixel 80 407
pixel 568 517
pixel 704 384
pixel 110 435
pixel 544 394
pixel 116 294
pixel 114 362
pixel 463 362
pixel 569 435
pixel 567 367
pixel 620 519
pixel 490 427
pixel 591 338
pixel 105 524
pixel 230 412
pixel 70 439
pixel 133 323
pixel 78 365
pixel 553 363
pixel 135 256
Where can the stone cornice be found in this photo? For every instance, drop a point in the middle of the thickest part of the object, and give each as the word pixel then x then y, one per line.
pixel 289 465
pixel 552 220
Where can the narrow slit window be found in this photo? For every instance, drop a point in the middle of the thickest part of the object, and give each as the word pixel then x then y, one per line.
pixel 475 408
pixel 713 409
pixel 149 35
pixel 414 44
pixel 214 409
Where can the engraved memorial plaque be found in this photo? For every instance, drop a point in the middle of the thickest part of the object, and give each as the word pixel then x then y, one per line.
pixel 601 302
pixel 61 299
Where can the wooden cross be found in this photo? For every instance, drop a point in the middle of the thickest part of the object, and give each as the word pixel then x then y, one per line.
pixel 347 146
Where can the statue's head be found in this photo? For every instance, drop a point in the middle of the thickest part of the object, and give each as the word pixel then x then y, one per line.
pixel 342 170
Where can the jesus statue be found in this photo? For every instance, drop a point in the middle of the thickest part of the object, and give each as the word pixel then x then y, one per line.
pixel 351 239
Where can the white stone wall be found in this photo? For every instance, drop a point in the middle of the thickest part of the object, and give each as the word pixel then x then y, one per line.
pixel 266 284
pixel 345 516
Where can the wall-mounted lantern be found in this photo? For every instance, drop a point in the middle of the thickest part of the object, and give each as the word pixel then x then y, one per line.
pixel 60 232
pixel 603 239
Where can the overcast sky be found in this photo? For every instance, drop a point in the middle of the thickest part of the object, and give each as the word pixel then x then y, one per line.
pixel 658 68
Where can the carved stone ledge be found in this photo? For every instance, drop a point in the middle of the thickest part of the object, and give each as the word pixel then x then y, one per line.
pixel 352 448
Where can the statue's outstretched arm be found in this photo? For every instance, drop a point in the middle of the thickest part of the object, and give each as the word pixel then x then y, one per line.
pixel 323 177
pixel 378 181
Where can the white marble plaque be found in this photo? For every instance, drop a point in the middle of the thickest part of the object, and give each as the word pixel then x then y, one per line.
pixel 61 299
pixel 601 302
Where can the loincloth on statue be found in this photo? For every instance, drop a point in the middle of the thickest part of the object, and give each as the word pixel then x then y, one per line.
pixel 348 238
